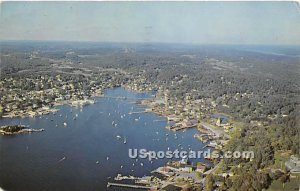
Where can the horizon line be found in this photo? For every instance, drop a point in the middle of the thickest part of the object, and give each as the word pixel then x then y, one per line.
pixel 149 43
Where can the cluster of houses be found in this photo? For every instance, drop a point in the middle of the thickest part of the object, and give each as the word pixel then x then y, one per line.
pixel 175 175
pixel 22 97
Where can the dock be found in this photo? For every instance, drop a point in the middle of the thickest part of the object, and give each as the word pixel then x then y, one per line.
pixel 137 112
pixel 109 184
pixel 124 98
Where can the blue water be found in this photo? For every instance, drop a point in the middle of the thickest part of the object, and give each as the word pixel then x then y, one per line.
pixel 32 161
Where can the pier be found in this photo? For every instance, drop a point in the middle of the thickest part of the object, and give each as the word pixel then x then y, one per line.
pixel 137 112
pixel 109 184
pixel 124 98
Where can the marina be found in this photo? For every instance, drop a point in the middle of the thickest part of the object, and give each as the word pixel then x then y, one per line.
pixel 80 162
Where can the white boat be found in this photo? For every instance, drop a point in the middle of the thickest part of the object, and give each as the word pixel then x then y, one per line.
pixel 125 140
pixel 118 137
pixel 65 124
pixel 64 158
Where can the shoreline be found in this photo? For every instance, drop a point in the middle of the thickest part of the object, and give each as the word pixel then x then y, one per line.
pixel 80 103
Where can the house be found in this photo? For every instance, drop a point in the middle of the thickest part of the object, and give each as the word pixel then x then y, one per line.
pixel 186 169
pixel 221 122
pixel 293 165
pixel 189 123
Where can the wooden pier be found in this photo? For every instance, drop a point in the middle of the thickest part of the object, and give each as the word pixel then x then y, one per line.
pixel 109 184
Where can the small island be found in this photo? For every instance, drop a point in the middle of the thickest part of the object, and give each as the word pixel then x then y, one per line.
pixel 17 129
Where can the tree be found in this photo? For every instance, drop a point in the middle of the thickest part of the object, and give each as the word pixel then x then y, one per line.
pixel 209 183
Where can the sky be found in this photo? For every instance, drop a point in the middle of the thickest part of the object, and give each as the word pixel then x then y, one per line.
pixel 165 22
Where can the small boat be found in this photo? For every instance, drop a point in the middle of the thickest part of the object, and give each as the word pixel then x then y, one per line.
pixel 136 119
pixel 142 164
pixel 125 140
pixel 107 158
pixel 65 124
pixel 62 159
pixel 97 162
